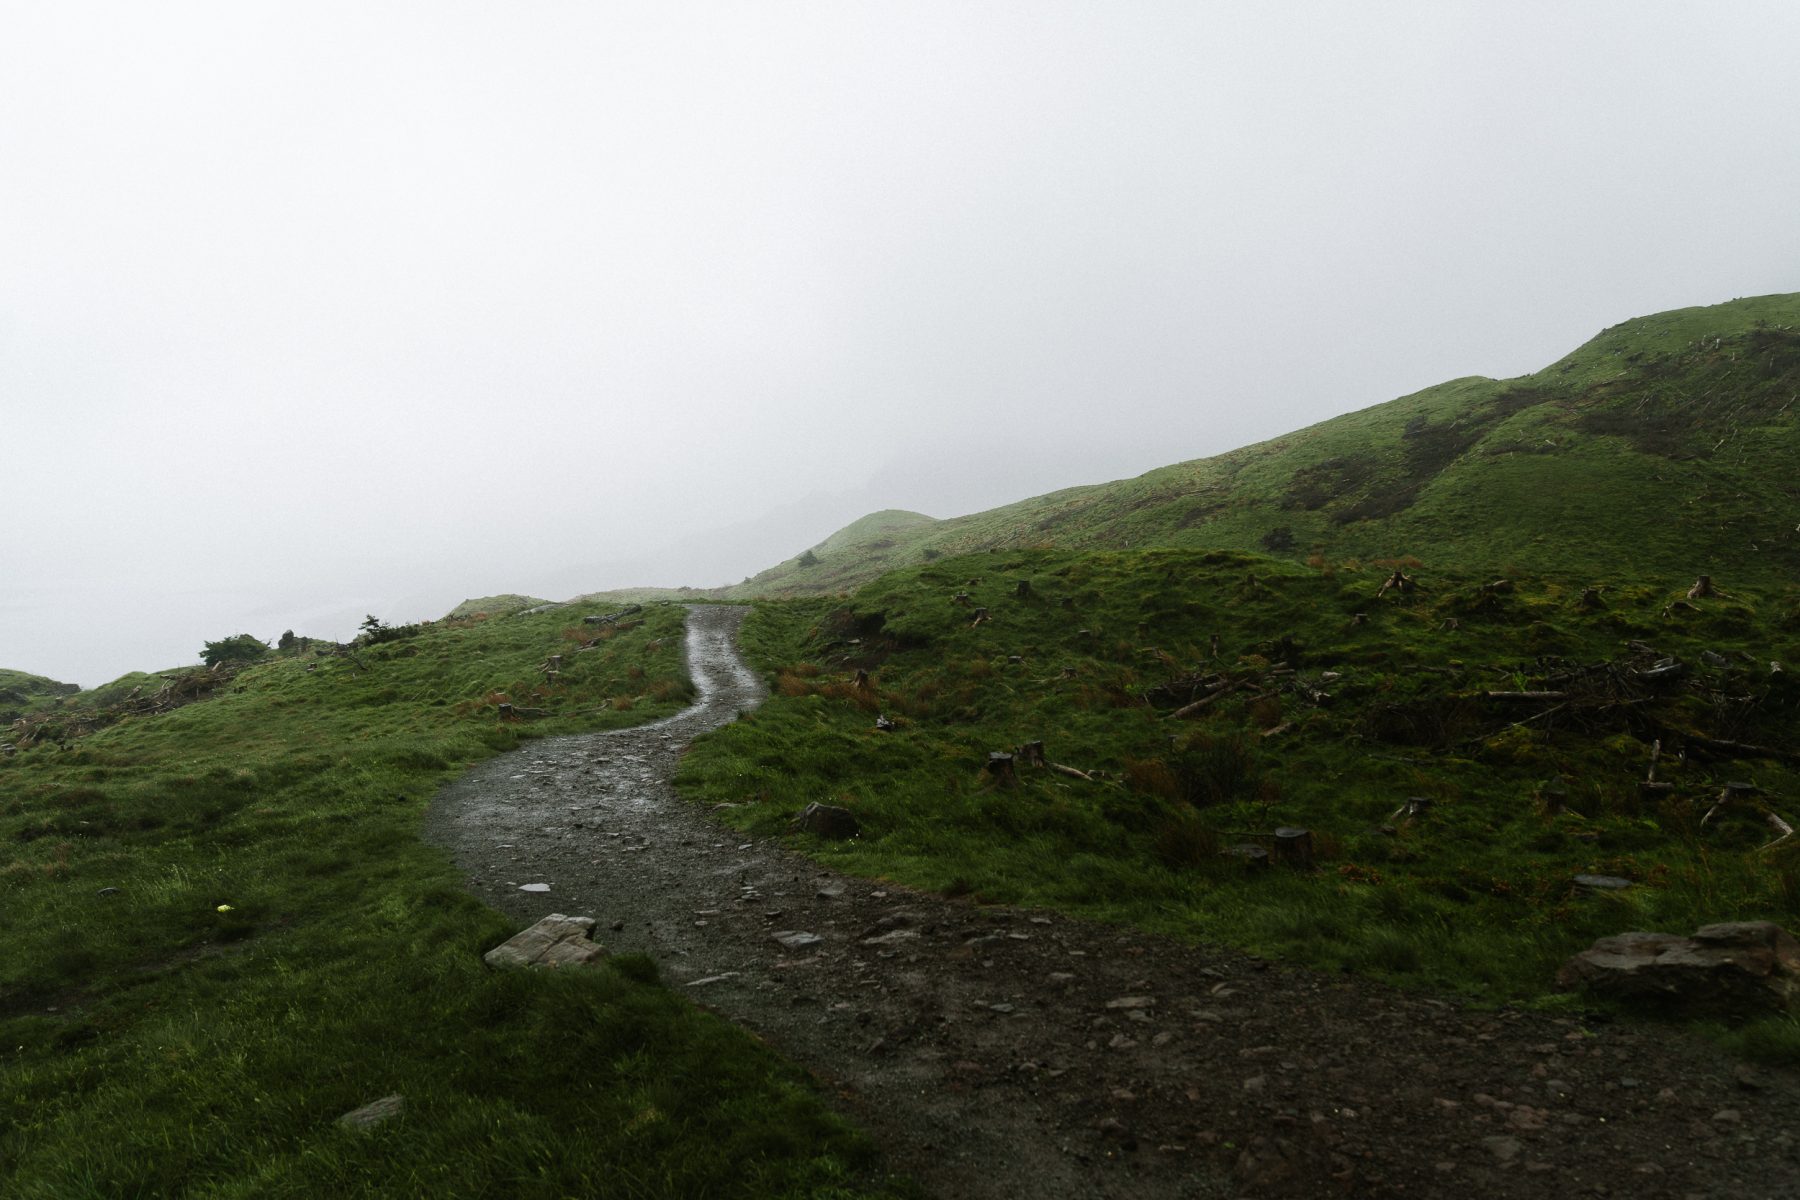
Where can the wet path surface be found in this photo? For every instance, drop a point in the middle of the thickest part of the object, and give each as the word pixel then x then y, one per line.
pixel 999 1053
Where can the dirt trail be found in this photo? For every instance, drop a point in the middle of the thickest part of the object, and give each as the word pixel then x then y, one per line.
pixel 1000 1053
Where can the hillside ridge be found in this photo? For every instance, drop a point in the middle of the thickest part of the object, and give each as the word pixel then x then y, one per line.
pixel 1664 443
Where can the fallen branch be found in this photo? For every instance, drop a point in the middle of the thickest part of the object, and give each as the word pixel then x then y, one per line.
pixel 1188 710
pixel 1071 772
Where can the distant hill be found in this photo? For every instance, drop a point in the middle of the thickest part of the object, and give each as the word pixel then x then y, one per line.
pixel 1668 445
pixel 21 693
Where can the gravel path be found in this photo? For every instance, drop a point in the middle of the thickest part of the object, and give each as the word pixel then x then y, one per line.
pixel 1000 1053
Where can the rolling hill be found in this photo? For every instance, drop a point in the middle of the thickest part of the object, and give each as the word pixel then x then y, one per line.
pixel 1667 445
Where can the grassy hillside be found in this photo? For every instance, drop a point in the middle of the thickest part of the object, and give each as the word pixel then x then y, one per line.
pixel 21 693
pixel 1460 752
pixel 222 932
pixel 1667 445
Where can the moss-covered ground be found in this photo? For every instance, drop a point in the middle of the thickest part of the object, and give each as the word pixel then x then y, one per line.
pixel 1449 824
pixel 221 932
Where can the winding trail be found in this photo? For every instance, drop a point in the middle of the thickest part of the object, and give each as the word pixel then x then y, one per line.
pixel 1000 1053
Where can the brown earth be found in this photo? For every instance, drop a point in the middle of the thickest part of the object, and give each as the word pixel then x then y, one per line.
pixel 1001 1053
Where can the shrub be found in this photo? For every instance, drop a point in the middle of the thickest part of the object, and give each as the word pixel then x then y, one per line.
pixel 241 648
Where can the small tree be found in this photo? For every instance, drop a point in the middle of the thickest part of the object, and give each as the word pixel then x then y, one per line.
pixel 239 648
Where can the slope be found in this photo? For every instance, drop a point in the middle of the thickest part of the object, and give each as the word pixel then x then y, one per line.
pixel 1667 445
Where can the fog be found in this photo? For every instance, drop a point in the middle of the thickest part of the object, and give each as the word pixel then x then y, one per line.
pixel 315 310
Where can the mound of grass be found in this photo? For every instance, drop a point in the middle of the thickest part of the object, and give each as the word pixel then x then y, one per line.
pixel 222 933
pixel 1451 804
pixel 22 692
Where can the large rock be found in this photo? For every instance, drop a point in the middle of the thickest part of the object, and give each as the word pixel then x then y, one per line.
pixel 555 941
pixel 827 821
pixel 1736 970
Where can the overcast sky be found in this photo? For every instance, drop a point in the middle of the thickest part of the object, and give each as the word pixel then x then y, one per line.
pixel 312 310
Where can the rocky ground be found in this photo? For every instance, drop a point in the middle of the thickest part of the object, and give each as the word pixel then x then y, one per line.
pixel 1003 1053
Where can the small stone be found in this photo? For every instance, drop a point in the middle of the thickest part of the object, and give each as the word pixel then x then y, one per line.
pixel 1132 1002
pixel 107 891
pixel 1062 977
pixel 372 1114
pixel 1256 1084
pixel 534 887
pixel 796 939
pixel 1728 1116
pixel 892 937
pixel 1504 1149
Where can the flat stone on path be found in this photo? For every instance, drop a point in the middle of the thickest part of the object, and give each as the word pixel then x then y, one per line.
pixel 534 887
pixel 796 939
pixel 555 941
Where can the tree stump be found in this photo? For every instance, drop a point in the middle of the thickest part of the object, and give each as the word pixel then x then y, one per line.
pixel 1068 672
pixel 1066 602
pixel 962 599
pixel 1399 581
pixel 1294 847
pixel 1703 587
pixel 1000 768
pixel 981 614
pixel 826 821
pixel 862 680
pixel 1212 646
pixel 1032 754
pixel 553 663
pixel 1023 590
pixel 506 712
pixel 1590 598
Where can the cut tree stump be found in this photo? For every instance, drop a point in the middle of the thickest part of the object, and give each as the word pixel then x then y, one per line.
pixel 1294 847
pixel 1031 754
pixel 1023 590
pixel 1703 587
pixel 1000 768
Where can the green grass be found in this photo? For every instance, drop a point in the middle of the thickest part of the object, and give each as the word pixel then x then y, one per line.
pixel 22 692
pixel 1664 445
pixel 281 949
pixel 1475 895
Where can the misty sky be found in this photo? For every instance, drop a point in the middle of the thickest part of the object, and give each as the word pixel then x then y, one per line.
pixel 313 310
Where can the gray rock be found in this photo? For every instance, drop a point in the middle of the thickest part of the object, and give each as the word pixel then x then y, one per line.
pixel 1734 970
pixel 534 887
pixel 370 1115
pixel 827 821
pixel 796 939
pixel 1603 883
pixel 555 941
pixel 891 937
